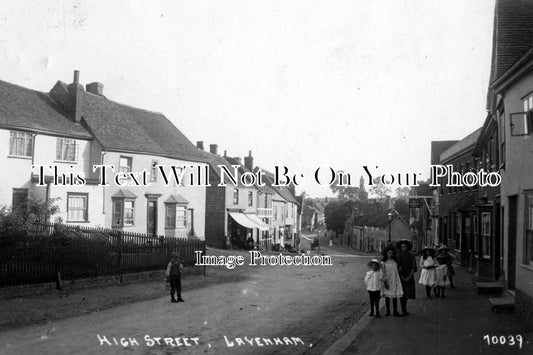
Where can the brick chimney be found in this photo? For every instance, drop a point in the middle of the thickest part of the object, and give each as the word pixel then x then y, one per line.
pixel 74 98
pixel 200 145
pixel 249 161
pixel 213 148
pixel 95 88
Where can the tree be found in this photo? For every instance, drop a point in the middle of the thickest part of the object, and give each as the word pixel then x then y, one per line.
pixel 350 192
pixel 402 206
pixel 336 213
pixel 403 192
pixel 379 189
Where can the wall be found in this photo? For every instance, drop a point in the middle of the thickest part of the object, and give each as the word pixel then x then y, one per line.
pixel 516 179
pixel 196 195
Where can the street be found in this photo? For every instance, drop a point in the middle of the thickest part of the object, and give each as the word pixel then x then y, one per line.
pixel 282 309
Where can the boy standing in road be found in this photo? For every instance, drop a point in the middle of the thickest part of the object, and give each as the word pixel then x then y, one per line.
pixel 173 275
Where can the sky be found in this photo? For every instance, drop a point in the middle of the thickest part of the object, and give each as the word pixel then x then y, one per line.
pixel 302 84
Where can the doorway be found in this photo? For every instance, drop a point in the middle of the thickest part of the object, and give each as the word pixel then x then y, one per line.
pixel 511 249
pixel 151 223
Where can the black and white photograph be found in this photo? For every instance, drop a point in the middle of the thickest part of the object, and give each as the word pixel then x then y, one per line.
pixel 266 177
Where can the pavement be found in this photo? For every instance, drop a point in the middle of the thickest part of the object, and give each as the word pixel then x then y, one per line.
pixel 457 324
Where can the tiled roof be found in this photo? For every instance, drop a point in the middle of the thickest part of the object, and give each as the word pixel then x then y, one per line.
pixel 177 199
pixel 437 147
pixel 22 108
pixel 124 193
pixel 214 160
pixel 465 143
pixel 512 34
pixel 281 190
pixel 124 128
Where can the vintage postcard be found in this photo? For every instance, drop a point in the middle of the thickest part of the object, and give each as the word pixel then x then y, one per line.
pixel 266 177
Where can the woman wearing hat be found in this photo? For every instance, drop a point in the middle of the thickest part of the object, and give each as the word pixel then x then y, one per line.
pixel 428 264
pixel 406 269
pixel 374 284
pixel 392 286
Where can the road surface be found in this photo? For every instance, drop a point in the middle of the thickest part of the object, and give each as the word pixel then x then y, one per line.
pixel 274 309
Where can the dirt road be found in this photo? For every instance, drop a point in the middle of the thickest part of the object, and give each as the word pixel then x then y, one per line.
pixel 281 309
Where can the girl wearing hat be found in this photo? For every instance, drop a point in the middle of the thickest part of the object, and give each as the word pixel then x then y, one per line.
pixel 448 260
pixel 443 279
pixel 428 264
pixel 392 286
pixel 374 284
pixel 406 269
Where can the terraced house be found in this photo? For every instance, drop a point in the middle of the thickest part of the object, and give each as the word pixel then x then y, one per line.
pixel 74 129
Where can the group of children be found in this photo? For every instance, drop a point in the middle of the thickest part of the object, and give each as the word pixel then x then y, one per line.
pixel 393 276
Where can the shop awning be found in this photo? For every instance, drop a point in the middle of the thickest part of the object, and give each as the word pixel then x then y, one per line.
pixel 261 225
pixel 245 221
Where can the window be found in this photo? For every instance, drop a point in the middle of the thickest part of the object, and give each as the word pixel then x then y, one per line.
pixel 235 196
pixel 485 234
pixel 77 207
pixel 20 144
pixel 66 150
pixel 476 235
pixel 123 212
pixel 128 213
pixel 124 165
pixel 250 198
pixel 19 198
pixel 529 232
pixel 181 217
pixel 170 216
pixel 275 213
pixel 153 171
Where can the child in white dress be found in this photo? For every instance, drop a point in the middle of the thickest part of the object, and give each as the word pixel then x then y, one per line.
pixel 443 277
pixel 392 285
pixel 428 264
pixel 374 284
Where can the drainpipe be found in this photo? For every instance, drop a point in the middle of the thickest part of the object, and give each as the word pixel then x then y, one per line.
pixel 103 187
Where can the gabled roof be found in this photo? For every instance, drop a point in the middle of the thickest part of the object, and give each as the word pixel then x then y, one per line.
pixel 26 109
pixel 437 147
pixel 122 127
pixel 512 34
pixel 461 146
pixel 128 129
pixel 214 160
pixel 281 190
pixel 177 199
pixel 379 220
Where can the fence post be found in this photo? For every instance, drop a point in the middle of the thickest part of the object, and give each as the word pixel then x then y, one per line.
pixel 120 256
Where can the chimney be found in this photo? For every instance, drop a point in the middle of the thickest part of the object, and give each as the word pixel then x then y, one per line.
pixel 225 153
pixel 249 161
pixel 200 145
pixel 213 148
pixel 95 88
pixel 74 98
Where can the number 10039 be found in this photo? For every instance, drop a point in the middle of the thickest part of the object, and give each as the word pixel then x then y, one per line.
pixel 510 340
